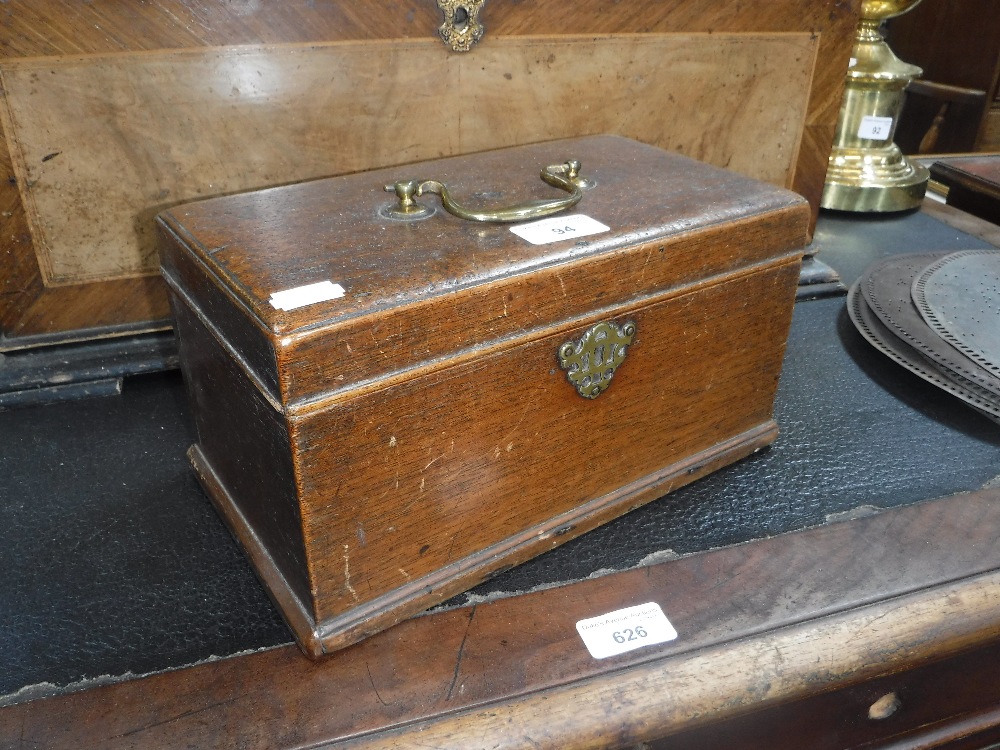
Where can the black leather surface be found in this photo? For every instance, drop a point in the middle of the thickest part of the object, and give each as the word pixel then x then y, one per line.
pixel 852 242
pixel 114 562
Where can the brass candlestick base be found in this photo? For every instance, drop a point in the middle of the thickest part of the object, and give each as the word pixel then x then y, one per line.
pixel 867 171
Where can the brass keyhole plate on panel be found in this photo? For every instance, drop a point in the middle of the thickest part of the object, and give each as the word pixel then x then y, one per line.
pixel 461 28
pixel 591 360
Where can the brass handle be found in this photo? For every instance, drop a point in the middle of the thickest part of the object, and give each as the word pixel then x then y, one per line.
pixel 565 176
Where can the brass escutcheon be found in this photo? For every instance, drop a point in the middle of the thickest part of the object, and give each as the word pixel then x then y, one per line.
pixel 565 176
pixel 461 28
pixel 590 361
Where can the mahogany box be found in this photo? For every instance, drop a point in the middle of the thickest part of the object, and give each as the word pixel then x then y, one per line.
pixel 395 403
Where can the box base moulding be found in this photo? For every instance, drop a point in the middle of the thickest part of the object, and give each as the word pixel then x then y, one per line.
pixel 331 634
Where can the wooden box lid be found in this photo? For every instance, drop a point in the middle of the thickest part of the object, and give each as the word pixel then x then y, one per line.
pixel 417 293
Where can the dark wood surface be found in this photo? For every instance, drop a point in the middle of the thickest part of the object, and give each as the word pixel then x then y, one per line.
pixel 973 183
pixel 952 703
pixel 35 310
pixel 463 449
pixel 761 625
pixel 957 43
pixel 979 173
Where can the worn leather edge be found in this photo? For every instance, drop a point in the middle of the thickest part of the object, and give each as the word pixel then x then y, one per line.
pixel 962 221
pixel 276 698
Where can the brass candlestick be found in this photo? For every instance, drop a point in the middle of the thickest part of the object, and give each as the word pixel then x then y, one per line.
pixel 867 171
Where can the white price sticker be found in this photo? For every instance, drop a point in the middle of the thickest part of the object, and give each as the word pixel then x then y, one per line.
pixel 625 630
pixel 558 228
pixel 300 296
pixel 875 128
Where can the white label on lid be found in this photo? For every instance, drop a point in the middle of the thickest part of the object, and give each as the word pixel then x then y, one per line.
pixel 625 630
pixel 875 128
pixel 558 228
pixel 300 296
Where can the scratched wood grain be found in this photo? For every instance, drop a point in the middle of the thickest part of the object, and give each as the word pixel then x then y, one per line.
pixel 45 296
pixel 431 436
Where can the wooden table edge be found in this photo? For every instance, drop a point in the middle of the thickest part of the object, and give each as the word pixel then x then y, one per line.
pixel 949 603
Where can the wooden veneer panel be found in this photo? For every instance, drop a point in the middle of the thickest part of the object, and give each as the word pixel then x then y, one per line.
pixel 45 297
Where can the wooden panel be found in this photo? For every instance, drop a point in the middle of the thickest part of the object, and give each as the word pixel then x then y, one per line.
pixel 456 495
pixel 989 139
pixel 45 28
pixel 760 624
pixel 180 126
pixel 32 310
pixel 955 42
pixel 931 706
